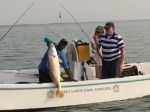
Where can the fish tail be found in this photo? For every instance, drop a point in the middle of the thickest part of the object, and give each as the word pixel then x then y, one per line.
pixel 60 93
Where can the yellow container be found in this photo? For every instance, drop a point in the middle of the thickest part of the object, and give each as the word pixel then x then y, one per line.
pixel 83 51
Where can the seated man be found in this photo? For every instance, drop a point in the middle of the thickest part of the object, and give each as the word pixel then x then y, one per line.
pixel 44 72
pixel 44 75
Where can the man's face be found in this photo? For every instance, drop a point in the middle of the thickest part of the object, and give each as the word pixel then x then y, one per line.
pixel 63 47
pixel 109 31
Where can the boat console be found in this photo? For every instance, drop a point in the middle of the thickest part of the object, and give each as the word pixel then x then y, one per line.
pixel 78 55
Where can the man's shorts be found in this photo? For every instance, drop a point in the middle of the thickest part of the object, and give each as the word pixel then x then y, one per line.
pixel 110 69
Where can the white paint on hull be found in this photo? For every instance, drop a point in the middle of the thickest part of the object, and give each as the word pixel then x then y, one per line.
pixel 33 96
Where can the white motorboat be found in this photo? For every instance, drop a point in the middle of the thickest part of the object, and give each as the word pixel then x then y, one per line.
pixel 20 89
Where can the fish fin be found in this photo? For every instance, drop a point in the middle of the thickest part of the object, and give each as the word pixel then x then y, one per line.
pixel 60 93
pixel 52 55
pixel 61 79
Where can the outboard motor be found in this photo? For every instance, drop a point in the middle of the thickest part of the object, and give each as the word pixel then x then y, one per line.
pixel 78 53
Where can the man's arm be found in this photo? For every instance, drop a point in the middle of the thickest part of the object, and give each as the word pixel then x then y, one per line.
pixel 64 63
pixel 96 42
pixel 66 67
pixel 122 59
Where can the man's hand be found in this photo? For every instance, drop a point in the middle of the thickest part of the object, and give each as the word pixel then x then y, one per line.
pixel 96 38
pixel 60 61
pixel 93 46
pixel 121 67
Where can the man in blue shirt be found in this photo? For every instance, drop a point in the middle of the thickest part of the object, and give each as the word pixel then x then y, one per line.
pixel 44 72
pixel 113 51
pixel 61 54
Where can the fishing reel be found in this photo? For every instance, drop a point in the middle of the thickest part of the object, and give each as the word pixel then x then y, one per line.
pixel 91 62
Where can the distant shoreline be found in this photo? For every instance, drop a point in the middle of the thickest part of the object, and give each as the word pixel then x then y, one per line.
pixel 74 22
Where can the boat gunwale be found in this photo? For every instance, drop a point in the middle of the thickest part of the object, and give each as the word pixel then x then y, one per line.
pixel 51 85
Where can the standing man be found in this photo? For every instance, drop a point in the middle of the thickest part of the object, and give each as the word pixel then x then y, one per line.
pixel 113 50
pixel 97 50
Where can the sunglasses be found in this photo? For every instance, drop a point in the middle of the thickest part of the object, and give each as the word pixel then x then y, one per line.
pixel 97 32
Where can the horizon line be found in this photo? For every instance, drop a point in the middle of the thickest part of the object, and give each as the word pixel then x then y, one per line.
pixel 36 24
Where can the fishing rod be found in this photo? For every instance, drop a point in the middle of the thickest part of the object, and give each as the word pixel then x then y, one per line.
pixel 17 20
pixel 51 31
pixel 80 27
pixel 76 22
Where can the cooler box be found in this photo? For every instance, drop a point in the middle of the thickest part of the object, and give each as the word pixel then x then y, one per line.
pixel 83 51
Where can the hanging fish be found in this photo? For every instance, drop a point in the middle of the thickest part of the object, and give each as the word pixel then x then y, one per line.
pixel 54 67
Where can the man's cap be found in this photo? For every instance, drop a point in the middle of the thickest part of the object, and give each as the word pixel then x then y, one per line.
pixel 109 25
pixel 47 40
pixel 99 29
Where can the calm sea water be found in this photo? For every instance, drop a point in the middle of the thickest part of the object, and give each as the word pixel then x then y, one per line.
pixel 23 48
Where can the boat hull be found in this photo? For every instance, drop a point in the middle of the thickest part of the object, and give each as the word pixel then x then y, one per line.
pixel 34 96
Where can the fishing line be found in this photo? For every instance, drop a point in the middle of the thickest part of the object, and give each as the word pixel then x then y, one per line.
pixel 51 31
pixel 17 20
pixel 82 30
pixel 80 27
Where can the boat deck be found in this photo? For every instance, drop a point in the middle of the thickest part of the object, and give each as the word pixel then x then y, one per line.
pixel 19 76
pixel 31 75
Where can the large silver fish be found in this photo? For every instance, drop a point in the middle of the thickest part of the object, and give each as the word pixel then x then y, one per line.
pixel 54 68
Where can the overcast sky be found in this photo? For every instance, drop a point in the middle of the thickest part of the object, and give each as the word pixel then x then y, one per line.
pixel 46 11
